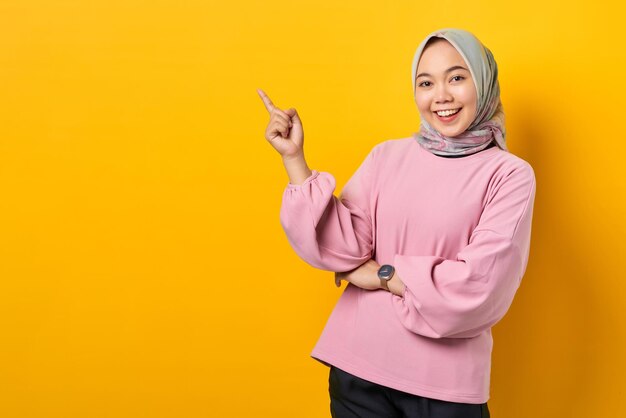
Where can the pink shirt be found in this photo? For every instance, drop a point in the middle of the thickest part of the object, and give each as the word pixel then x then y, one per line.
pixel 457 230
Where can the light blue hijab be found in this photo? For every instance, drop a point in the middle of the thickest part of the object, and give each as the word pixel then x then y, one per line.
pixel 488 124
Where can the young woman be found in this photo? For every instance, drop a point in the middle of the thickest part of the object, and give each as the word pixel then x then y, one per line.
pixel 432 234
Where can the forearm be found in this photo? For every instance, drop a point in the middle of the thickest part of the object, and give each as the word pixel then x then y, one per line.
pixel 297 169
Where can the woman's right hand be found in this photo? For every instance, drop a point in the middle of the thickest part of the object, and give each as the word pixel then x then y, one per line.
pixel 284 130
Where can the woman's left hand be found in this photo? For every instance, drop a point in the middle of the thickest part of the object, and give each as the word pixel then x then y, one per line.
pixel 365 276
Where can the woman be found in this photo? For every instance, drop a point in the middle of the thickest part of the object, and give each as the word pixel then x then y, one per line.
pixel 432 234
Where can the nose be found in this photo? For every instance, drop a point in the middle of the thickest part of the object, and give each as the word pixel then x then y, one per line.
pixel 442 94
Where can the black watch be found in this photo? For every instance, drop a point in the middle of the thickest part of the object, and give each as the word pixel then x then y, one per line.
pixel 385 273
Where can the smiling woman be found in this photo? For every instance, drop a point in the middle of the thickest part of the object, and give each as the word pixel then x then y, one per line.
pixel 432 234
pixel 456 72
pixel 445 94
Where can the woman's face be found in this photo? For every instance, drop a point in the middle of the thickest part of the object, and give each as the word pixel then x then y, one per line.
pixel 439 88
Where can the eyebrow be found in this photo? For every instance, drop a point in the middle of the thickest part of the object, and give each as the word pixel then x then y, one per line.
pixel 456 67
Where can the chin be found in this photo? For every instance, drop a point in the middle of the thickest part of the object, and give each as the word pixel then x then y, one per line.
pixel 449 131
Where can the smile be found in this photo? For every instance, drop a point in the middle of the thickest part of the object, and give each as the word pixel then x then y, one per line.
pixel 448 115
pixel 447 112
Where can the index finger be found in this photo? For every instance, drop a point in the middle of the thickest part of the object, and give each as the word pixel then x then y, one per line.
pixel 266 100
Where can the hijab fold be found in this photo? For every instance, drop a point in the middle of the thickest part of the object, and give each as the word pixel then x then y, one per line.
pixel 488 124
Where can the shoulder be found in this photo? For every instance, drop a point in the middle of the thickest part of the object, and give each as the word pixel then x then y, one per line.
pixel 387 153
pixel 391 147
pixel 385 149
pixel 511 165
pixel 512 179
pixel 395 144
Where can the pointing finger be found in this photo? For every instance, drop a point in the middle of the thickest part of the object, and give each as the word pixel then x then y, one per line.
pixel 279 114
pixel 266 100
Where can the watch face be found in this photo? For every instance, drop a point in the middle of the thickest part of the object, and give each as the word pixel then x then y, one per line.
pixel 385 271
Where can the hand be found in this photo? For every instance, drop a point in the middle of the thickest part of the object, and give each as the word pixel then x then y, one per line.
pixel 365 276
pixel 284 130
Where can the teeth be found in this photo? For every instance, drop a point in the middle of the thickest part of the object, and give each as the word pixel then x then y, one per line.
pixel 448 112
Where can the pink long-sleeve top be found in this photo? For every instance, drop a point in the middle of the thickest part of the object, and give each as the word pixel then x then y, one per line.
pixel 457 231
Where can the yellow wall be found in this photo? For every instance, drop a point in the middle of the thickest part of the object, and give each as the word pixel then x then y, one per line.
pixel 143 268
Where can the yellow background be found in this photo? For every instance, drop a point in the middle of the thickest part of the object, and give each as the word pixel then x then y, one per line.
pixel 143 268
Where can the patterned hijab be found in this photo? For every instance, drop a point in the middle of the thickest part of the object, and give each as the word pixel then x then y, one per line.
pixel 488 124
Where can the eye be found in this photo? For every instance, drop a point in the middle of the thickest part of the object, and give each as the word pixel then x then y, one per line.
pixel 420 84
pixel 459 76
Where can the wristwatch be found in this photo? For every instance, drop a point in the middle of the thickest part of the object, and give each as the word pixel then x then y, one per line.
pixel 385 273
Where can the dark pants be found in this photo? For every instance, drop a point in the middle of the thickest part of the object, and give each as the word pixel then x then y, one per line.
pixel 353 397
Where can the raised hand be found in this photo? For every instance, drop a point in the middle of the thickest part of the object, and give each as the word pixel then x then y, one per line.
pixel 284 130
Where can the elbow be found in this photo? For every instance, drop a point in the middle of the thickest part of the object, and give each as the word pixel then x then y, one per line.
pixel 339 262
pixel 474 322
pixel 323 258
pixel 469 331
pixel 452 322
pixel 464 330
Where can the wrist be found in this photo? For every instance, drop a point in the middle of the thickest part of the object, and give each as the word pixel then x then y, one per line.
pixel 297 158
pixel 297 169
pixel 383 285
pixel 396 286
pixel 385 273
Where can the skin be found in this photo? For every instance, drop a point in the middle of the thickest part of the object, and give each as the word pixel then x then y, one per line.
pixel 442 90
pixel 285 134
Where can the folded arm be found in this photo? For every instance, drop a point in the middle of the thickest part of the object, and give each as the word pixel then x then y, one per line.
pixel 331 233
pixel 463 297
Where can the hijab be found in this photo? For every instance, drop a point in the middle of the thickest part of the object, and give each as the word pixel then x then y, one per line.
pixel 488 124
